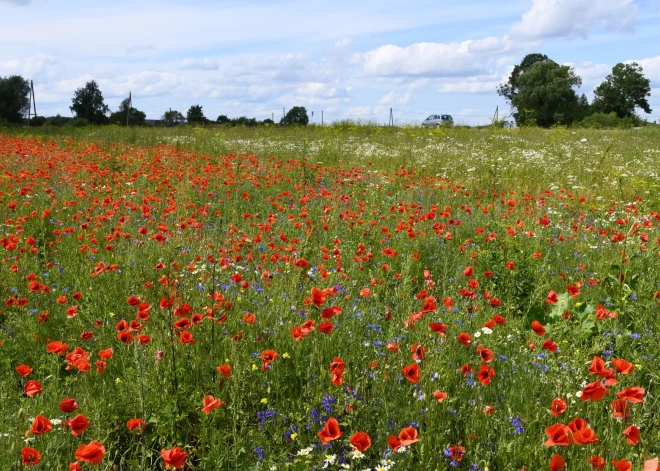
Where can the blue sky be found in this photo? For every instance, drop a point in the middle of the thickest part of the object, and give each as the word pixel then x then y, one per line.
pixel 352 59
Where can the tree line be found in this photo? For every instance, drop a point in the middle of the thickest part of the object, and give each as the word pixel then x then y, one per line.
pixel 89 107
pixel 542 93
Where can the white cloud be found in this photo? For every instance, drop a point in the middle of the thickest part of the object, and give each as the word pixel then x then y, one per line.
pixel 393 98
pixel 17 2
pixel 574 18
pixel 36 67
pixel 423 59
pixel 591 73
pixel 651 68
pixel 200 64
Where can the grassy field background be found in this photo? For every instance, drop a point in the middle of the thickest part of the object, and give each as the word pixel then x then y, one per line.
pixel 404 229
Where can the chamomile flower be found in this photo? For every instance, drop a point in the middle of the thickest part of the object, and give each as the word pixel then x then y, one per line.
pixel 356 454
pixel 305 451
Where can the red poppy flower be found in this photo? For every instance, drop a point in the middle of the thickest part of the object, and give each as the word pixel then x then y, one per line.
pixel 330 312
pixel 485 374
pixel 594 391
pixel 538 328
pixel 361 441
pixel 573 290
pixel 57 347
pixel 632 434
pixel 651 465
pixel 596 462
pixel 23 370
pixel 408 436
pixel 550 346
pixel 440 396
pixel 30 456
pixel 418 351
pixel 552 298
pixel 598 368
pixel 488 410
pixel 41 425
pixel 136 424
pixel 585 436
pixel 465 339
pixel 174 457
pixel 92 453
pixel 633 395
pixel 267 357
pixel 499 320
pixel 330 432
pixel 78 425
pixel 209 403
pixel 622 465
pixel 318 297
pixel 32 388
pixel 393 442
pixel 486 355
pixel 106 354
pixel 620 409
pixel 439 328
pixel 622 366
pixel 556 463
pixel 326 327
pixel 68 405
pixel 411 372
pixel 558 406
pixel 225 370
pixel 558 435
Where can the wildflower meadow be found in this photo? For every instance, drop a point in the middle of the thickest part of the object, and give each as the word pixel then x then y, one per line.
pixel 344 297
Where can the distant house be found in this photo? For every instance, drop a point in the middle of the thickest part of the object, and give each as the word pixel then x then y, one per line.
pixel 151 122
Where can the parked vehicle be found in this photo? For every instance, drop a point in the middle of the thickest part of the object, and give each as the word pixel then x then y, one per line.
pixel 436 120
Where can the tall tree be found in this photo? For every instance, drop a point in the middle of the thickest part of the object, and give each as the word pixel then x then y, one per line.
pixel 623 90
pixel 196 115
pixel 172 117
pixel 135 117
pixel 88 103
pixel 546 96
pixel 509 89
pixel 14 98
pixel 296 115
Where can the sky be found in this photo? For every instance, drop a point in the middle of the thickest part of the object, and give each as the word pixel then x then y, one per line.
pixel 348 58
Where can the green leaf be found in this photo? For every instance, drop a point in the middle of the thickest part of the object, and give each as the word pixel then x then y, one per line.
pixel 536 313
pixel 561 306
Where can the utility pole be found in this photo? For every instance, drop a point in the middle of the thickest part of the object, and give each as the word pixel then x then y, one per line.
pixel 312 116
pixel 497 113
pixel 272 116
pixel 32 102
pixel 128 110
pixel 391 122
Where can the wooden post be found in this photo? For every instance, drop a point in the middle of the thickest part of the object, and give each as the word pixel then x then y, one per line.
pixel 130 103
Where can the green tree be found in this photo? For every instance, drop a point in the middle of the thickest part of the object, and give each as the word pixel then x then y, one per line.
pixel 545 95
pixel 509 89
pixel 14 98
pixel 172 117
pixel 135 117
pixel 296 115
pixel 223 119
pixel 88 103
pixel 623 90
pixel 196 115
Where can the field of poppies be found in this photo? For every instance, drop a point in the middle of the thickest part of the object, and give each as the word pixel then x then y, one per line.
pixel 329 298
